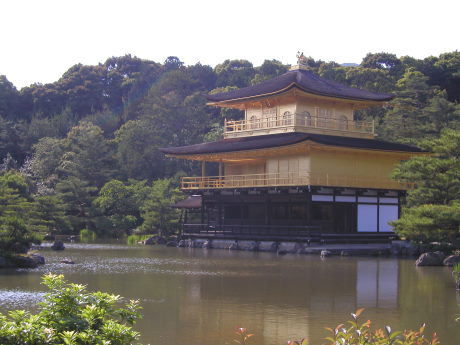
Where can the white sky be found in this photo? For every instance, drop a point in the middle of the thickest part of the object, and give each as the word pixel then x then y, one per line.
pixel 41 39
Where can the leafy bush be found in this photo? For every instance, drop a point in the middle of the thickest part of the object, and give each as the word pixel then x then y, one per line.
pixel 430 222
pixel 15 235
pixel 135 239
pixel 71 316
pixel 456 267
pixel 243 335
pixel 445 247
pixel 361 334
pixel 87 235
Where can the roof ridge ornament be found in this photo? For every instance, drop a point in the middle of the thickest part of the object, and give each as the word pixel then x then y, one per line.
pixel 301 59
pixel 302 62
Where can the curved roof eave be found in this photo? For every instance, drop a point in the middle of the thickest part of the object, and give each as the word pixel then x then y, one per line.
pixel 295 85
pixel 304 80
pixel 285 139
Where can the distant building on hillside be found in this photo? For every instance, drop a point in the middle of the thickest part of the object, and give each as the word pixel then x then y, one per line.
pixel 298 167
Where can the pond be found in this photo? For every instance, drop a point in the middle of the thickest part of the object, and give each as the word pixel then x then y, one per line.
pixel 199 297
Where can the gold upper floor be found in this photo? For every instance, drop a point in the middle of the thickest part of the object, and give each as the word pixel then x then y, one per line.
pixel 300 165
pixel 297 111
pixel 299 122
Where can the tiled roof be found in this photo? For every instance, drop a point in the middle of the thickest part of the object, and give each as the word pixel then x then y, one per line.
pixel 304 80
pixel 284 139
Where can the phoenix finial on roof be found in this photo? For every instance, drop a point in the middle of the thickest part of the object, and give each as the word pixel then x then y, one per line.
pixel 301 59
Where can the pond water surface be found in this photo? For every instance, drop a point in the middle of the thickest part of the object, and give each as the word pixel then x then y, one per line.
pixel 199 297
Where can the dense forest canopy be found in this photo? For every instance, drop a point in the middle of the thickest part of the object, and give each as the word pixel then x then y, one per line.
pixel 97 130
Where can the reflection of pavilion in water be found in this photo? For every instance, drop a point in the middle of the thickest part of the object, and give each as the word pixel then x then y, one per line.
pixel 377 284
pixel 278 309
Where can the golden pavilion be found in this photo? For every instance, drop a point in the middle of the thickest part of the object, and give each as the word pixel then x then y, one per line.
pixel 297 167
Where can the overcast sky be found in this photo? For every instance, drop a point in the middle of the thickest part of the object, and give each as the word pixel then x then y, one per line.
pixel 41 39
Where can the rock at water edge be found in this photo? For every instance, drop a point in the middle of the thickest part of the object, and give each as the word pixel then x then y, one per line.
pixel 5 263
pixel 39 259
pixel 452 260
pixel 161 240
pixel 430 259
pixel 150 241
pixel 58 245
pixel 67 261
pixel 22 261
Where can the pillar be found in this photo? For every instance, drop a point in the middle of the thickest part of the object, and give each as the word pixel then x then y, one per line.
pixel 203 168
pixel 221 168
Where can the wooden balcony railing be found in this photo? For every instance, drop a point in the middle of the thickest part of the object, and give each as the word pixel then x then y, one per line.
pixel 289 179
pixel 299 121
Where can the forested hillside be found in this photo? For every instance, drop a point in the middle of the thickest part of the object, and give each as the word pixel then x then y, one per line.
pixel 87 145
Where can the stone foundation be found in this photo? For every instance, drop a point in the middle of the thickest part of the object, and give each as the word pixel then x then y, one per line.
pixel 222 244
pixel 248 245
pixel 285 247
pixel 268 246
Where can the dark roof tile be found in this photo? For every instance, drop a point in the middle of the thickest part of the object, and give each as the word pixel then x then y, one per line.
pixel 284 139
pixel 305 80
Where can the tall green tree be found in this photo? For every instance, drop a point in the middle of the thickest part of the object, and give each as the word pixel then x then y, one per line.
pixel 43 166
pixel 89 156
pixel 433 205
pixel 9 99
pixel 77 196
pixel 237 73
pixel 121 203
pixel 10 140
pixel 50 215
pixel 84 88
pixel 268 69
pixel 385 61
pixel 137 149
pixel 17 216
pixel 157 212
pixel 406 119
pixel 444 72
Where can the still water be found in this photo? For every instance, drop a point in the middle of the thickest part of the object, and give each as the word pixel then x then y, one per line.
pixel 198 297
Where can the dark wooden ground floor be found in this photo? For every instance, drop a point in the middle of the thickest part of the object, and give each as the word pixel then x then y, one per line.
pixel 297 214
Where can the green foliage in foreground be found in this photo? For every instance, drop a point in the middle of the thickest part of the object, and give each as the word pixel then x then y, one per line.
pixel 69 315
pixel 356 333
